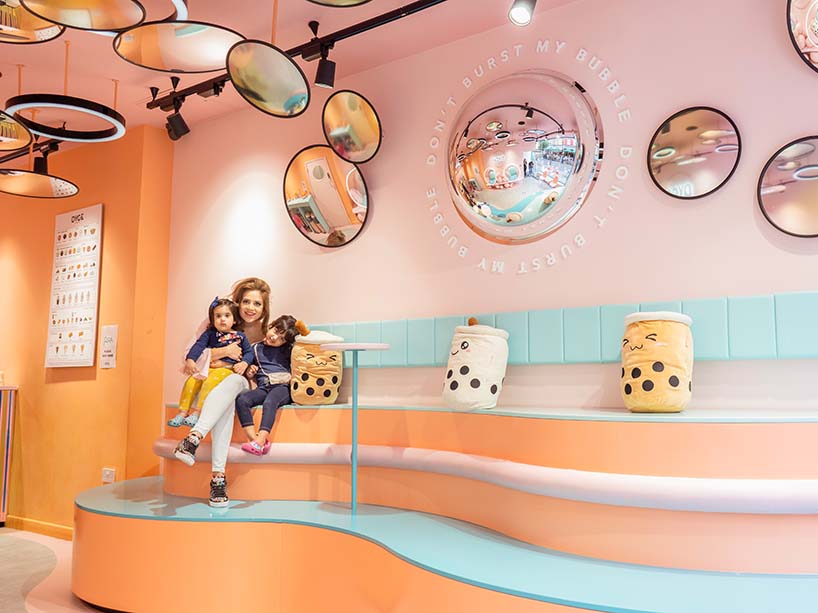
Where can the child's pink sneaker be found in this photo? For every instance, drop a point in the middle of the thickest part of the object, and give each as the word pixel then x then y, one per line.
pixel 252 447
pixel 266 449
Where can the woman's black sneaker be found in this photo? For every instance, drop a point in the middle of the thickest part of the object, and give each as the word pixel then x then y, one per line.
pixel 218 492
pixel 186 449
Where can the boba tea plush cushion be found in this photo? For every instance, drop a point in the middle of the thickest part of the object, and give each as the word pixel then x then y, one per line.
pixel 657 362
pixel 316 374
pixel 476 368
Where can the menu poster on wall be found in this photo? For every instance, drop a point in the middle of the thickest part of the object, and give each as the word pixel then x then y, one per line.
pixel 72 322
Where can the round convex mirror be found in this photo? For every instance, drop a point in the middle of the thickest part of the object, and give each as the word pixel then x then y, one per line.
pixel 22 27
pixel 694 152
pixel 268 78
pixel 788 188
pixel 523 155
pixel 802 19
pixel 325 196
pixel 89 14
pixel 339 2
pixel 34 184
pixel 13 134
pixel 351 126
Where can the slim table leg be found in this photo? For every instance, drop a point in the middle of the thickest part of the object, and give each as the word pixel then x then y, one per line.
pixel 8 397
pixel 354 432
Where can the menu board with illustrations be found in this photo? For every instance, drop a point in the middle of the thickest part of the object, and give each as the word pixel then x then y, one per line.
pixel 72 322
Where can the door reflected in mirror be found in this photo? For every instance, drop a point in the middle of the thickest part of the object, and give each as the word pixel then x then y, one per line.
pixel 325 196
pixel 788 188
pixel 351 126
pixel 523 155
pixel 694 153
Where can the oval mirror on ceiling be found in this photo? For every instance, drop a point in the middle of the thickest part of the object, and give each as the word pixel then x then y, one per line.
pixel 788 188
pixel 522 156
pixel 351 126
pixel 13 134
pixel 89 14
pixel 35 185
pixel 176 46
pixel 20 26
pixel 268 78
pixel 694 152
pixel 802 18
pixel 325 196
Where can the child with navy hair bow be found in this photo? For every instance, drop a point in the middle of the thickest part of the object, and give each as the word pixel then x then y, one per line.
pixel 224 329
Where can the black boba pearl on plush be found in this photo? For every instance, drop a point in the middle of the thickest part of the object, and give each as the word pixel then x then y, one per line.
pixel 449 374
pixel 658 367
pixel 334 379
pixel 319 382
pixel 674 381
pixel 628 389
pixel 295 385
pixel 636 373
pixel 305 377
pixel 453 385
pixel 327 393
pixel 475 383
pixel 623 372
pixel 310 391
pixel 464 370
pixel 494 389
pixel 647 385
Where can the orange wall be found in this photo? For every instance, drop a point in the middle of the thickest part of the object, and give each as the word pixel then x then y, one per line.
pixel 71 422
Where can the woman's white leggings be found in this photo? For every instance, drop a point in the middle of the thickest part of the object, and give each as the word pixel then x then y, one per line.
pixel 217 417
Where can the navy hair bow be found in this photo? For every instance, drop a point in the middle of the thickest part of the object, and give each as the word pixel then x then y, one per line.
pixel 214 303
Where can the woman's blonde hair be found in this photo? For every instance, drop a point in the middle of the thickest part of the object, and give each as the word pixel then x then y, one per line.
pixel 254 283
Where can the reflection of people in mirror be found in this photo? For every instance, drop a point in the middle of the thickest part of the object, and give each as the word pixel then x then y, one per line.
pixel 336 238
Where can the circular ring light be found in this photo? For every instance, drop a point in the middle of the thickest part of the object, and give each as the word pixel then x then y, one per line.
pixel 35 185
pixel 27 28
pixel 664 152
pixel 351 126
pixel 806 173
pixel 502 134
pixel 727 148
pixel 340 3
pixel 92 15
pixel 15 105
pixel 176 46
pixel 268 78
pixel 13 134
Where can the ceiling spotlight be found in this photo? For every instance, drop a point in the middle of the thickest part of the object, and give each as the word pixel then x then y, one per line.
pixel 521 12
pixel 176 125
pixel 325 75
pixel 529 112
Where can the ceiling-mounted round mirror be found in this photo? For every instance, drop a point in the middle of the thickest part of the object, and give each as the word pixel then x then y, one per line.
pixel 20 26
pixel 89 14
pixel 268 78
pixel 342 3
pixel 520 183
pixel 176 46
pixel 35 185
pixel 802 19
pixel 13 134
pixel 694 152
pixel 788 188
pixel 325 196
pixel 351 126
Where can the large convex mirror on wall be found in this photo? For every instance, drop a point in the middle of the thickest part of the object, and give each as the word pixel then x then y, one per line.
pixel 523 155
pixel 326 196
pixel 788 188
pixel 694 152
pixel 802 17
pixel 351 126
pixel 268 78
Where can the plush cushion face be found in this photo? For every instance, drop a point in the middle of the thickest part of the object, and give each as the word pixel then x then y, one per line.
pixel 316 374
pixel 657 366
pixel 476 368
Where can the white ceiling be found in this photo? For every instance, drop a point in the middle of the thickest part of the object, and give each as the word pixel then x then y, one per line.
pixel 93 63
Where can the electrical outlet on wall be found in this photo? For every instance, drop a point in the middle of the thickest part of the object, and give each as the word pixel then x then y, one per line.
pixel 108 475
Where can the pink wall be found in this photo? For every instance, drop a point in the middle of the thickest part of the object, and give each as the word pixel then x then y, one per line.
pixel 734 55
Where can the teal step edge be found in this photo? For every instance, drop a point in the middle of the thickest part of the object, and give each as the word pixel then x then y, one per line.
pixel 771 327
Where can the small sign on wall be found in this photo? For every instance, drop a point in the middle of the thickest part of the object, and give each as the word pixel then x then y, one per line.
pixel 72 322
pixel 107 346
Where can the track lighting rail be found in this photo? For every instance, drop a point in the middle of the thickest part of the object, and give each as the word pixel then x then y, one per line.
pixel 309 50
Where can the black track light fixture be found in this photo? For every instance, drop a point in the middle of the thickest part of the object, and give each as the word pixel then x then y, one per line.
pixel 521 12
pixel 175 124
pixel 325 75
pixel 154 92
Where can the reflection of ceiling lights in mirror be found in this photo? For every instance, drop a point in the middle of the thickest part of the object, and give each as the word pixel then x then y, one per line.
pixel 806 173
pixel 727 148
pixel 693 160
pixel 717 133
pixel 503 134
pixel 791 165
pixel 664 152
pixel 493 126
pixel 798 150
pixel 511 143
pixel 710 141
pixel 772 189
pixel 521 12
